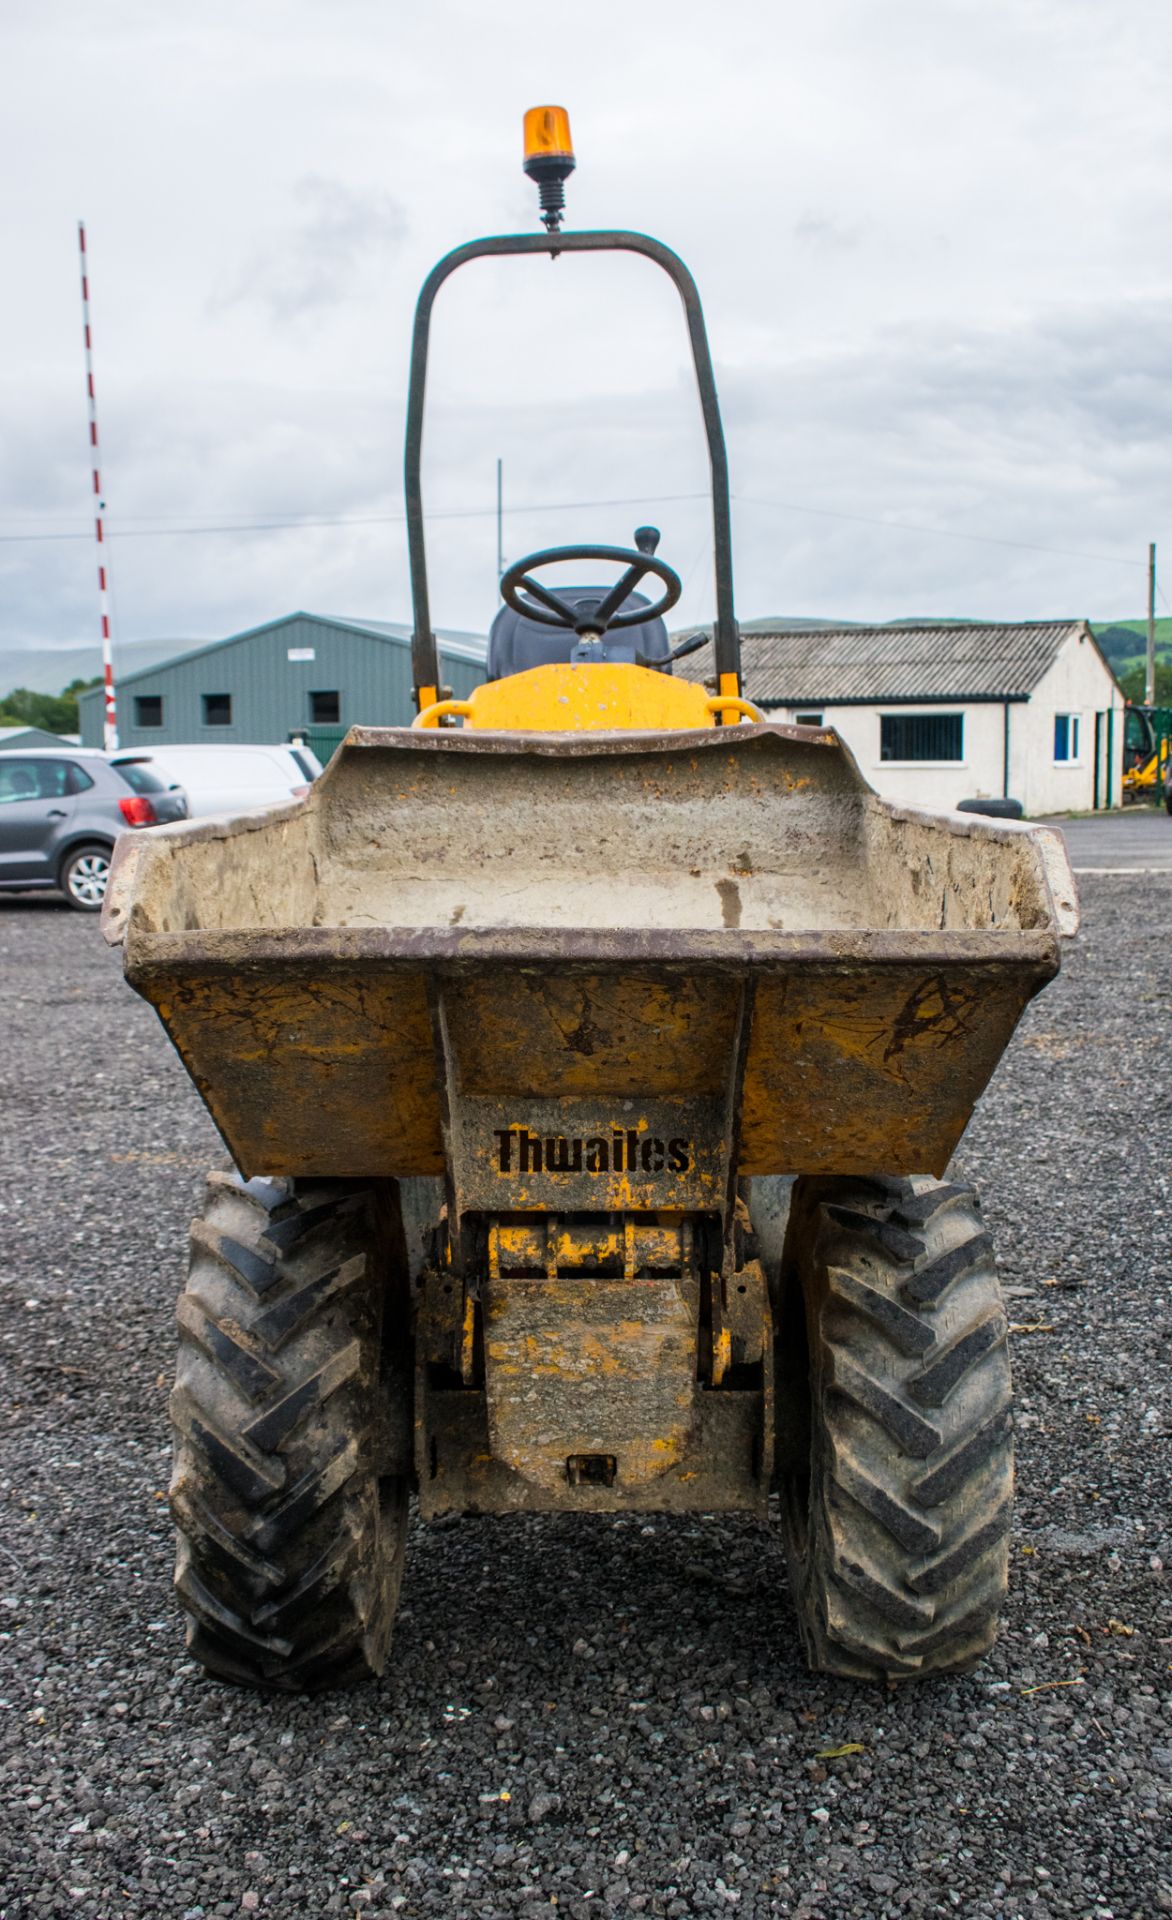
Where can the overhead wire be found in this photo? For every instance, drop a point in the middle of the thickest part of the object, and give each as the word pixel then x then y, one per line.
pixel 275 524
pixel 944 533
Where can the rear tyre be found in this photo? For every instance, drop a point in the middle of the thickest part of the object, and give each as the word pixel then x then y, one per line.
pixel 897 1494
pixel 291 1541
pixel 83 877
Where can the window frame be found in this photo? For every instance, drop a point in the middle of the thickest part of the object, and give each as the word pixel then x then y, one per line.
pixel 325 693
pixel 1073 755
pixel 923 760
pixel 808 718
pixel 13 762
pixel 32 763
pixel 205 710
pixel 141 776
pixel 140 700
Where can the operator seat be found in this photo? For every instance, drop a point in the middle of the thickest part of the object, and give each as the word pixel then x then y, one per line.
pixel 515 644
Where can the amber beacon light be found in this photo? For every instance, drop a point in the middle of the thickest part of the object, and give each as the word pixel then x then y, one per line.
pixel 549 159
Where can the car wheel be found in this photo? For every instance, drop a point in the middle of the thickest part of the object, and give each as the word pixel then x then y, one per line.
pixel 84 874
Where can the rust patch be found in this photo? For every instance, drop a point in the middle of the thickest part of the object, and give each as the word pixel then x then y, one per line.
pixel 938 1011
pixel 625 1032
pixel 586 1036
pixel 606 1369
pixel 330 1074
pixel 730 902
pixel 860 1067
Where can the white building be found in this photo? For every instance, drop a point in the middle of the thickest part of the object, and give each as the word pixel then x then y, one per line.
pixel 935 714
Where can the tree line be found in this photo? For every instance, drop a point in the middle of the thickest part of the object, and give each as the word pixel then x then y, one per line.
pixel 55 712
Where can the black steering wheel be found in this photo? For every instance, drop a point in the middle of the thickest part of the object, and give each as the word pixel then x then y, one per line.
pixel 592 616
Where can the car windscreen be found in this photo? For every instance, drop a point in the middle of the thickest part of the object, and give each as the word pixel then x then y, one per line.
pixel 303 763
pixel 140 776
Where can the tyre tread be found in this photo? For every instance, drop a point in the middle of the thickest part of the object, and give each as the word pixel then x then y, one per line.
pixel 289 1555
pixel 898 1544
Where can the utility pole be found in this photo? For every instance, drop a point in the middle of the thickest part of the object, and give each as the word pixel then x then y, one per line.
pixel 1150 677
pixel 110 716
pixel 500 517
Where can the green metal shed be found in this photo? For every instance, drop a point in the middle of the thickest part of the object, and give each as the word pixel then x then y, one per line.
pixel 308 675
pixel 24 738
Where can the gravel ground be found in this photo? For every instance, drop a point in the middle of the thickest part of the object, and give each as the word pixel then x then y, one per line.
pixel 594 1716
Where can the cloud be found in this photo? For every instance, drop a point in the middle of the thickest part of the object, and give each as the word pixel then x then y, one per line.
pixel 314 262
pixel 923 235
pixel 980 448
pixel 823 234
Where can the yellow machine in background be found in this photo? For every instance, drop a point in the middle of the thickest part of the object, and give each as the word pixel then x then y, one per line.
pixel 1147 751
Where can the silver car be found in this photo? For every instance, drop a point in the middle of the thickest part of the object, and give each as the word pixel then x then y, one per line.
pixel 61 810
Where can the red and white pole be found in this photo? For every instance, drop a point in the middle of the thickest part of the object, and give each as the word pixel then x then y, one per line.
pixel 110 726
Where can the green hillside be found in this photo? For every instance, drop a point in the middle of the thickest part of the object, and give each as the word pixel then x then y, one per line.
pixel 1125 643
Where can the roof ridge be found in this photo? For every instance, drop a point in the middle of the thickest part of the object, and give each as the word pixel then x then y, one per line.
pixel 910 626
pixel 951 660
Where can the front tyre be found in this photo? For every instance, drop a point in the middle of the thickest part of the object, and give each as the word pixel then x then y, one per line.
pixel 291 1541
pixel 83 877
pixel 897 1498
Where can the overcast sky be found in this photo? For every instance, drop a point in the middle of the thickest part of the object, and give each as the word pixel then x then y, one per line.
pixel 932 238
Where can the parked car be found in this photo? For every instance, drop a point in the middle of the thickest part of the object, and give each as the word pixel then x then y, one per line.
pixel 61 810
pixel 167 797
pixel 231 778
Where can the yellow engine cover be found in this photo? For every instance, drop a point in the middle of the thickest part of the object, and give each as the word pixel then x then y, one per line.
pixel 567 697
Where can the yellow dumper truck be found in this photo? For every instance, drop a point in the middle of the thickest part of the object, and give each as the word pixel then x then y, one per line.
pixel 505 1025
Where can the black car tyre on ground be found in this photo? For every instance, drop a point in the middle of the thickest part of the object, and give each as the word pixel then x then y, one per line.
pixel 83 876
pixel 291 1531
pixel 897 1488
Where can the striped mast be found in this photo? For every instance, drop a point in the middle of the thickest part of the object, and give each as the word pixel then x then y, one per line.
pixel 110 723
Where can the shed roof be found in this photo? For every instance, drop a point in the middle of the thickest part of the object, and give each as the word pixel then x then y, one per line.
pixel 34 737
pixel 464 646
pixel 828 666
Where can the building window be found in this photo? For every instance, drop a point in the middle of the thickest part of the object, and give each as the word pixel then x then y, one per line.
pixel 217 709
pixel 921 736
pixel 807 719
pixel 1066 736
pixel 325 709
pixel 148 709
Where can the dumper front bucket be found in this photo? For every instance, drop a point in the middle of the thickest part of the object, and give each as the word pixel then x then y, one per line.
pixel 592 971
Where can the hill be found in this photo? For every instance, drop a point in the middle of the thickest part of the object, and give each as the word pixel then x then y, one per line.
pixel 1125 642
pixel 48 669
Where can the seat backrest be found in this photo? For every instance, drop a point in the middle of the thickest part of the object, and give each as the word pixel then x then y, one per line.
pixel 515 643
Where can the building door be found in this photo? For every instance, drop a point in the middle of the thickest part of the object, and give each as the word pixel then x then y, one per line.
pixel 324 741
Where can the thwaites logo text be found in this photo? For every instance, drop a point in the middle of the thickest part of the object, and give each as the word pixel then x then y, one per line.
pixel 621 1151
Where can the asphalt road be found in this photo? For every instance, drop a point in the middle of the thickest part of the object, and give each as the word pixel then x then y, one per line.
pixel 1138 839
pixel 584 1717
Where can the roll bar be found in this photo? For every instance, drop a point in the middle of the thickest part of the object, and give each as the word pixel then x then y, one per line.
pixel 424 651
